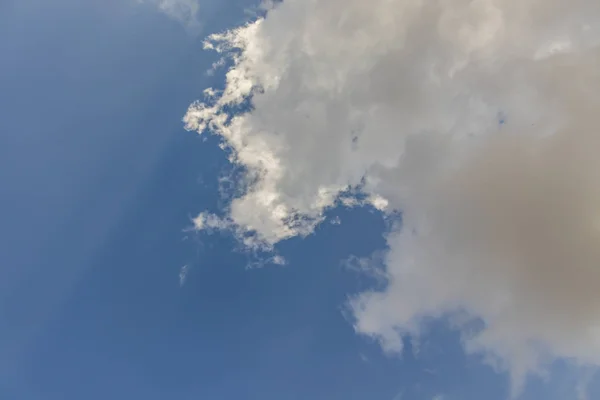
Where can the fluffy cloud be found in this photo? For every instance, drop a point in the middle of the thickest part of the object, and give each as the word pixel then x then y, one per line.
pixel 477 119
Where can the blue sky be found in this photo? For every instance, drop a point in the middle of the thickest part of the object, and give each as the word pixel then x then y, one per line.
pixel 100 183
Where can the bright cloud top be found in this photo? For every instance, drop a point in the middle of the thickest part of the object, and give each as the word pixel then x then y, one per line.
pixel 476 119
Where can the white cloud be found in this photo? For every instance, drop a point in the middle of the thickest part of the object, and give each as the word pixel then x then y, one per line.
pixel 183 11
pixel 183 273
pixel 475 118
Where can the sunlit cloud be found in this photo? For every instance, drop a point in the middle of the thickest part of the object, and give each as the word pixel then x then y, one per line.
pixel 477 120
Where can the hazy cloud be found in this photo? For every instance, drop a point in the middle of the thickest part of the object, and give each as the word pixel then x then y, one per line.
pixel 183 273
pixel 184 11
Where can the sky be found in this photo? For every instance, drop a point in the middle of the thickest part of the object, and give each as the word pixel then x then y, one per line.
pixel 316 199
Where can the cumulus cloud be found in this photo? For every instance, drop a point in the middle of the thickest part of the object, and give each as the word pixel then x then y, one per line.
pixel 476 119
pixel 183 11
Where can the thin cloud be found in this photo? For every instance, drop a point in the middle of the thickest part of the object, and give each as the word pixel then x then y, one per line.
pixel 185 12
pixel 183 273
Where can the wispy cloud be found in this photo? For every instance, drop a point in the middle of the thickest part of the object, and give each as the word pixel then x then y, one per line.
pixel 183 273
pixel 399 395
pixel 582 387
pixel 184 11
pixel 476 119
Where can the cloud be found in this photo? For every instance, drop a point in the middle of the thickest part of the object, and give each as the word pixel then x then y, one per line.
pixel 183 273
pixel 477 119
pixel 183 11
pixel 582 386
